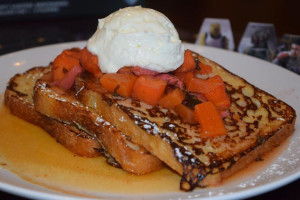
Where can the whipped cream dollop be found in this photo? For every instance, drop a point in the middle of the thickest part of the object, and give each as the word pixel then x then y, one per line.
pixel 136 36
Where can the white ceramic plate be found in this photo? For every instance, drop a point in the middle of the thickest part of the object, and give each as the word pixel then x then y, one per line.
pixel 284 84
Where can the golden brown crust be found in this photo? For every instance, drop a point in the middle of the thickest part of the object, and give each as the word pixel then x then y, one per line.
pixel 257 122
pixel 255 154
pixel 62 105
pixel 18 97
pixel 278 122
pixel 113 114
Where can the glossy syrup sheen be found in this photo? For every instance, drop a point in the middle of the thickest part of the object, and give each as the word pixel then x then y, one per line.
pixel 31 153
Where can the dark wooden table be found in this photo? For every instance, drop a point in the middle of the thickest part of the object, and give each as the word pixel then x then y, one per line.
pixel 21 34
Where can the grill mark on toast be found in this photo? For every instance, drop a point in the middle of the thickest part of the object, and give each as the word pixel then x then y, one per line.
pixel 156 112
pixel 170 130
pixel 99 122
pixel 249 105
pixel 199 156
pixel 175 128
pixel 18 98
pixel 12 88
pixel 193 167
pixel 142 122
pixel 193 172
pixel 186 158
pixel 85 116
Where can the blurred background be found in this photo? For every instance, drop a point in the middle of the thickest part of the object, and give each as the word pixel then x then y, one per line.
pixel 30 23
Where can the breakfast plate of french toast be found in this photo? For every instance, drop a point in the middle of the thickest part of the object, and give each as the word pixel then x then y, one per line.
pixel 135 113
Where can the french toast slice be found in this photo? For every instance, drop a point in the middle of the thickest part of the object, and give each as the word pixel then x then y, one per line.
pixel 19 98
pixel 256 124
pixel 62 105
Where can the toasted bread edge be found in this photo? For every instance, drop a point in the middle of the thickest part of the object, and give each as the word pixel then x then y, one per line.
pixel 274 141
pixel 19 104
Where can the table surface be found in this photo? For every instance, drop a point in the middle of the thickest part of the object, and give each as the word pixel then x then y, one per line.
pixel 38 33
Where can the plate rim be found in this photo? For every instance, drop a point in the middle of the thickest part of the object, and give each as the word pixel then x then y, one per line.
pixel 6 187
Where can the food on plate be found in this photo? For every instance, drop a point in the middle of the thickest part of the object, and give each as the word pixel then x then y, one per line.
pixel 19 98
pixel 174 105
pixel 136 36
pixel 106 140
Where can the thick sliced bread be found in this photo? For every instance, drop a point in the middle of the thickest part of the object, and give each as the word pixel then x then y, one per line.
pixel 62 105
pixel 257 123
pixel 19 99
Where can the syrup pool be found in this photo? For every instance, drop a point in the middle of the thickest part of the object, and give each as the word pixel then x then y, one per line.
pixel 32 154
pixel 29 152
